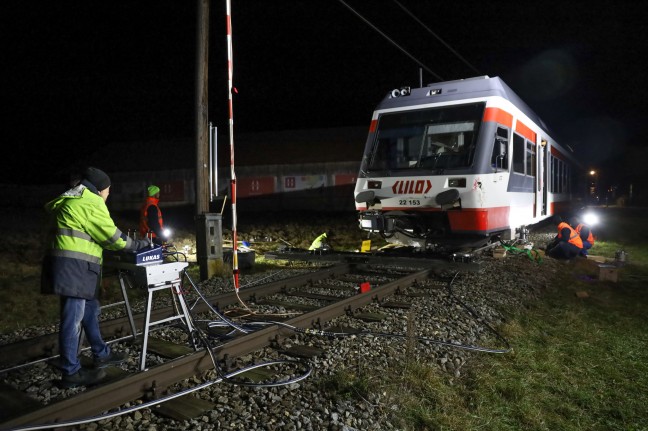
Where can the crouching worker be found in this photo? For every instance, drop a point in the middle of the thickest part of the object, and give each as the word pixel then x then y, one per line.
pixel 567 244
pixel 586 235
pixel 81 227
pixel 321 243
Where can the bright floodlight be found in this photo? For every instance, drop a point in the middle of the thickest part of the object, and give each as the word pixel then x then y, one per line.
pixel 592 172
pixel 591 219
pixel 167 233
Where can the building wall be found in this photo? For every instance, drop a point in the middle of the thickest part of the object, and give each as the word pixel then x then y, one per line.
pixel 311 186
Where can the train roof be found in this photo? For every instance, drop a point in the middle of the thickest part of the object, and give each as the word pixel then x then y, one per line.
pixel 469 88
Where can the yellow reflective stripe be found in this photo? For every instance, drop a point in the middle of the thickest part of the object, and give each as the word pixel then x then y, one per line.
pixel 74 233
pixel 76 255
pixel 116 236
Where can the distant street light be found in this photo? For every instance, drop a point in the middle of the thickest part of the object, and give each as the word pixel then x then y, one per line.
pixel 593 187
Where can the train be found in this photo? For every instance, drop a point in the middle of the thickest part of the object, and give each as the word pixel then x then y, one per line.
pixel 461 163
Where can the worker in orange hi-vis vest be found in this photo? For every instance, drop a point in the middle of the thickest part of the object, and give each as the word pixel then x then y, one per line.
pixel 586 235
pixel 151 223
pixel 567 244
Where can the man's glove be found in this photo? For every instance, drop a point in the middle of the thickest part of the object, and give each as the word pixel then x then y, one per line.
pixel 139 244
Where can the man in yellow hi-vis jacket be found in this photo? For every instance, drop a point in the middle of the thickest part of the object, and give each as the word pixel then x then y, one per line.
pixel 81 229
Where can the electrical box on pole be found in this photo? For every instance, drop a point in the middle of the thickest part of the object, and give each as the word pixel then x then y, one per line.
pixel 209 228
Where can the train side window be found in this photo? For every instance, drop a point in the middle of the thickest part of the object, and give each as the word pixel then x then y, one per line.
pixel 559 176
pixel 530 159
pixel 499 158
pixel 554 175
pixel 518 153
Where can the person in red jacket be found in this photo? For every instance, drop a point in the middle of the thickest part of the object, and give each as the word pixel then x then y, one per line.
pixel 567 244
pixel 151 222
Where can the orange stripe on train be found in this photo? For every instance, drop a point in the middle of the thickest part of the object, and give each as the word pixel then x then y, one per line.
pixel 499 116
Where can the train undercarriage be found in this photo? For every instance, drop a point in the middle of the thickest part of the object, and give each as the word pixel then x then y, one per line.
pixel 429 231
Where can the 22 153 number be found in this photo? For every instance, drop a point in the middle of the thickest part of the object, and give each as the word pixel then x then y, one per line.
pixel 410 202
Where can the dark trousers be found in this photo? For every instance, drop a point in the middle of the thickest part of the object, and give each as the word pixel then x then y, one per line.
pixel 563 250
pixel 75 314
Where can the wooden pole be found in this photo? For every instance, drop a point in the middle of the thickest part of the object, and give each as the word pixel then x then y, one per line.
pixel 202 108
pixel 208 231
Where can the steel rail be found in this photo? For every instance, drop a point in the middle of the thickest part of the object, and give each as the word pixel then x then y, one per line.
pixel 156 380
pixel 47 345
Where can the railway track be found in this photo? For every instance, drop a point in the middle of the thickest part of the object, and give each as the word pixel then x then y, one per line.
pixel 312 300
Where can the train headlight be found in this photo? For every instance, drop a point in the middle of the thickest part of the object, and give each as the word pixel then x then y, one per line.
pixel 398 92
pixel 456 182
pixel 591 219
pixel 366 224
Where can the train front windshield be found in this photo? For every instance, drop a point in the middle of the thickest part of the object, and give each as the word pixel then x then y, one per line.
pixel 435 139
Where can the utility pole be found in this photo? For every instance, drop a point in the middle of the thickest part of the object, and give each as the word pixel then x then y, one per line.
pixel 202 107
pixel 209 239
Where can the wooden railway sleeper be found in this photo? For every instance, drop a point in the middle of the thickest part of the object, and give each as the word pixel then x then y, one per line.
pixel 275 342
pixel 348 311
pixel 119 332
pixel 152 392
pixel 50 350
pixel 227 362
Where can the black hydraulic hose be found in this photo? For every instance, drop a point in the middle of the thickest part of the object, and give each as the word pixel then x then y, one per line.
pixel 323 333
pixel 476 316
pixel 151 403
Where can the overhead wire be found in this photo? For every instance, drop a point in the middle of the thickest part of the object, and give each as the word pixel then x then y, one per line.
pixel 417 61
pixel 459 56
pixel 422 24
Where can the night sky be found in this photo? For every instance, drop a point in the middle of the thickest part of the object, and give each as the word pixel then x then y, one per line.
pixel 80 75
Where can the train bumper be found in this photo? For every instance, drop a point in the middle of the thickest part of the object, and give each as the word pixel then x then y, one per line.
pixel 376 222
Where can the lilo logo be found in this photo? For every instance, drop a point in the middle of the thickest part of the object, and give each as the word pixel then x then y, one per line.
pixel 411 186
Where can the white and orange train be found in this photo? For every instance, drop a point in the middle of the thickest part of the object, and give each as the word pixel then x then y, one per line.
pixel 460 162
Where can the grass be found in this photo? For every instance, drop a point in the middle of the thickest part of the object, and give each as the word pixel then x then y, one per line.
pixel 577 364
pixel 22 304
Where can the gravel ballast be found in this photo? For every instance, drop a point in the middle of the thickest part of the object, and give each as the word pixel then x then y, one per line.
pixel 500 285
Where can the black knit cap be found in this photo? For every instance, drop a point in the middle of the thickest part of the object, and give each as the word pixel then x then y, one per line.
pixel 97 177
